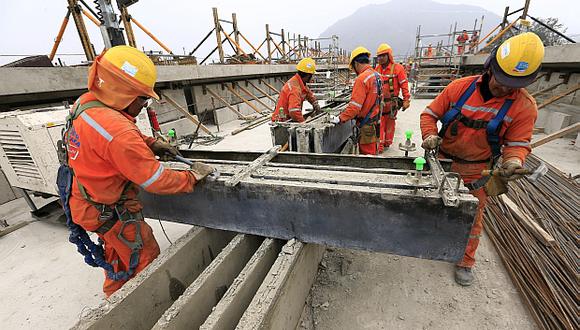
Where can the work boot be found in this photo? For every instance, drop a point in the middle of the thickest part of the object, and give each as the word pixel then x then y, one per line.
pixel 463 276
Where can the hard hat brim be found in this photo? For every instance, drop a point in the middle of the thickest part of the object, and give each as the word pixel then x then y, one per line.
pixel 511 81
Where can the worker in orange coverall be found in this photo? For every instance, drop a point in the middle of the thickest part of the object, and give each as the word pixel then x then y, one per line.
pixel 394 80
pixel 110 157
pixel 461 40
pixel 364 105
pixel 487 123
pixel 294 92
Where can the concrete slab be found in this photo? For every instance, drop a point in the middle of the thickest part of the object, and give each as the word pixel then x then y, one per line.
pixel 280 299
pixel 142 300
pixel 556 121
pixel 196 303
pixel 233 304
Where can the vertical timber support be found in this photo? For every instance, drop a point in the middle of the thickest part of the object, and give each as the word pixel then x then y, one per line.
pixel 236 33
pixel 126 18
pixel 218 35
pixel 76 12
pixel 268 46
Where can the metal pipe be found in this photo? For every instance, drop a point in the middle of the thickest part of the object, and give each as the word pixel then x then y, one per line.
pixel 59 35
pixel 147 32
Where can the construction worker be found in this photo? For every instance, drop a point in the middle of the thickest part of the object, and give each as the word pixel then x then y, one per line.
pixel 486 117
pixel 394 80
pixel 429 52
pixel 364 105
pixel 461 40
pixel 109 158
pixel 473 41
pixel 294 92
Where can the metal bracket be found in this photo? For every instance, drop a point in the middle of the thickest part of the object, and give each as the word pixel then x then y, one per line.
pixel 253 166
pixel 449 192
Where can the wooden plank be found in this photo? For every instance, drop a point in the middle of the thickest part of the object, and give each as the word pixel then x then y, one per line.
pixel 559 96
pixel 261 91
pixel 233 91
pixel 232 306
pixel 196 303
pixel 246 171
pixel 531 225
pixel 257 99
pixel 270 86
pixel 229 106
pixel 556 135
pixel 185 113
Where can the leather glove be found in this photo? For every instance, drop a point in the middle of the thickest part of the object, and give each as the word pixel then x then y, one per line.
pixel 334 120
pixel 201 171
pixel 431 142
pixel 406 104
pixel 163 149
pixel 495 186
pixel 316 108
pixel 511 169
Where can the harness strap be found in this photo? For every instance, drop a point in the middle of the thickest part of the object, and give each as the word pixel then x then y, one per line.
pixel 450 115
pixel 367 119
pixel 493 128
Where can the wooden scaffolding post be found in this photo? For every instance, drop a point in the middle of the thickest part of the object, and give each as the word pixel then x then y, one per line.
pixel 236 33
pixel 76 12
pixel 126 18
pixel 222 100
pixel 268 47
pixel 186 113
pixel 504 22
pixel 218 34
pixel 283 44
pixel 247 102
pixel 525 11
pixel 261 91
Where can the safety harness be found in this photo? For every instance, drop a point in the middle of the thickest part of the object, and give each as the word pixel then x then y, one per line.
pixel 367 119
pixel 395 101
pixel 108 214
pixel 492 128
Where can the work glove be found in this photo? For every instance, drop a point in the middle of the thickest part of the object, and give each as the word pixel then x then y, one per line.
pixel 431 142
pixel 201 171
pixel 163 149
pixel 406 104
pixel 316 108
pixel 495 186
pixel 511 169
pixel 334 120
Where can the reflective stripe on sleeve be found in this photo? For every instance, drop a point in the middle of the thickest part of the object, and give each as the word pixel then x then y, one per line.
pixel 402 81
pixel 154 177
pixel 355 104
pixel 294 109
pixel 517 144
pixel 367 78
pixel 103 132
pixel 430 112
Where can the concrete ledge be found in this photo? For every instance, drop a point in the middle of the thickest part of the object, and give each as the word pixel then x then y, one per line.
pixel 142 300
pixel 280 299
pixel 196 303
pixel 231 307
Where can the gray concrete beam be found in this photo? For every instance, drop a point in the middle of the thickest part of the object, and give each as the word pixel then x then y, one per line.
pixel 142 300
pixel 229 310
pixel 280 299
pixel 563 56
pixel 195 305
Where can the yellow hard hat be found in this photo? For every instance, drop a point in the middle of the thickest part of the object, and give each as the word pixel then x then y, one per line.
pixel 516 62
pixel 356 52
pixel 306 65
pixel 135 64
pixel 384 49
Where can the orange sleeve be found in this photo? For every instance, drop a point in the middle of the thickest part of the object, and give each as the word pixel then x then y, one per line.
pixel 518 135
pixel 133 158
pixel 433 112
pixel 357 100
pixel 295 105
pixel 310 96
pixel 403 82
pixel 149 140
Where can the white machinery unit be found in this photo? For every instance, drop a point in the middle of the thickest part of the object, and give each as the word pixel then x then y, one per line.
pixel 28 146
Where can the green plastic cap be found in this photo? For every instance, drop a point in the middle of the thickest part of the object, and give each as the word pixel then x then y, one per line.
pixel 408 134
pixel 171 133
pixel 419 163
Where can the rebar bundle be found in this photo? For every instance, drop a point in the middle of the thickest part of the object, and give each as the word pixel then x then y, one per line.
pixel 546 272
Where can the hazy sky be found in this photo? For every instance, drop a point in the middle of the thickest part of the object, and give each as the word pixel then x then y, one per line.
pixel 29 27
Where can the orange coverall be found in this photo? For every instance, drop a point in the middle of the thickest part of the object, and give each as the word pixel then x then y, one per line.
pixel 292 95
pixel 363 99
pixel 469 149
pixel 396 73
pixel 462 39
pixel 106 150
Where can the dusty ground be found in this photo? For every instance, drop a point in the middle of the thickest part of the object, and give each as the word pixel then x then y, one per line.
pixel 44 283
